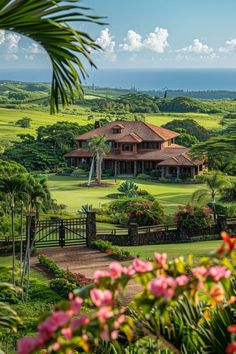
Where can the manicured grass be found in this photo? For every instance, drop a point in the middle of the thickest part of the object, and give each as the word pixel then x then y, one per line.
pixel 197 249
pixel 41 117
pixel 67 190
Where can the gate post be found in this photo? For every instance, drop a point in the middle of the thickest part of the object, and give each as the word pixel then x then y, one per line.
pixel 133 236
pixel 30 229
pixel 61 234
pixel 91 229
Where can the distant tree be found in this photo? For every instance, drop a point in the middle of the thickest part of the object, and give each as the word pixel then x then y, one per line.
pixel 215 183
pixel 186 139
pixel 24 122
pixel 190 126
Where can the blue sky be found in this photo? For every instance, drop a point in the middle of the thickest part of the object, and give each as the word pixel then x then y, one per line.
pixel 151 33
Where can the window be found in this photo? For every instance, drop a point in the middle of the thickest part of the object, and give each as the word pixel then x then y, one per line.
pixel 148 145
pixel 127 147
pixel 116 130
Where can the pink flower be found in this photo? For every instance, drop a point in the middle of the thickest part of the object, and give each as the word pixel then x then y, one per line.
pixel 103 314
pixel 114 335
pixel 105 334
pixel 163 286
pixel 26 345
pixel 67 333
pixel 199 272
pixel 128 271
pixel 82 321
pixel 100 274
pixel 101 298
pixel 182 280
pixel 55 347
pixel 119 321
pixel 161 259
pixel 51 324
pixel 75 305
pixel 142 266
pixel 115 270
pixel 218 272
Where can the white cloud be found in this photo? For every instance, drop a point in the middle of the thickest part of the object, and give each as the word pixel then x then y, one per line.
pixel 157 41
pixel 230 46
pixel 13 40
pixel 107 43
pixel 196 47
pixel 2 36
pixel 132 42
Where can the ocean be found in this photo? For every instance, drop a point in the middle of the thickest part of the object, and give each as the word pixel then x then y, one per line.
pixel 142 79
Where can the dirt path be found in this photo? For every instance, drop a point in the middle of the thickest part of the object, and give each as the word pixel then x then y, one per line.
pixel 80 259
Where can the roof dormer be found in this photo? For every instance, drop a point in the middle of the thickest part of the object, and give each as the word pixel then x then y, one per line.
pixel 117 128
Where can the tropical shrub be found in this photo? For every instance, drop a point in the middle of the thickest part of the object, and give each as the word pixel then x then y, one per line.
pixel 183 306
pixel 143 176
pixel 114 251
pixel 229 193
pixel 191 217
pixel 129 189
pixel 62 286
pixel 140 210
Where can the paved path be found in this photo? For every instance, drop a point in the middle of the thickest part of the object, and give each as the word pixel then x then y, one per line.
pixel 80 259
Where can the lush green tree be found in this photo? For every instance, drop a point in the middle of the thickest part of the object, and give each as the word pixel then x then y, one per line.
pixel 190 126
pixel 49 24
pixel 229 193
pixel 99 148
pixel 215 183
pixel 24 122
pixel 46 151
pixel 9 168
pixel 185 139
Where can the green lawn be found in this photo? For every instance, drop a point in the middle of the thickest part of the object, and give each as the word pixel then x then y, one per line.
pixel 67 190
pixel 40 116
pixel 197 249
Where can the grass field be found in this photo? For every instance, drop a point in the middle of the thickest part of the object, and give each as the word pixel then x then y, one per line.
pixel 197 249
pixel 67 190
pixel 8 117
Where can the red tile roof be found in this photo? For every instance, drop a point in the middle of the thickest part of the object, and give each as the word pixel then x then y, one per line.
pixel 153 155
pixel 145 131
pixel 130 138
pixel 180 160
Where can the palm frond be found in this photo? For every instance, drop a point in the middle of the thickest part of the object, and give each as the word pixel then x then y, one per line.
pixel 48 23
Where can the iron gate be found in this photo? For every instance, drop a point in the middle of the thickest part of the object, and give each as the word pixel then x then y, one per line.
pixel 60 232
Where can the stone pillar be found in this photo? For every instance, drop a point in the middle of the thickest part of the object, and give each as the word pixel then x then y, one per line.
pixel 133 235
pixel 91 230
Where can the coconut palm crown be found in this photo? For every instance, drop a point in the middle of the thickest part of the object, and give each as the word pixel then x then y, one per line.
pixel 48 23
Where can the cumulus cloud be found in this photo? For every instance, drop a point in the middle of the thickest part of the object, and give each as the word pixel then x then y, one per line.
pixel 13 40
pixel 107 43
pixel 157 41
pixel 230 46
pixel 197 47
pixel 132 42
pixel 2 36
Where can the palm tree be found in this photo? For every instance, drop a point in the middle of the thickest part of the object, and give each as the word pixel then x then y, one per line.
pixel 215 183
pixel 12 186
pixel 48 23
pixel 99 148
pixel 129 189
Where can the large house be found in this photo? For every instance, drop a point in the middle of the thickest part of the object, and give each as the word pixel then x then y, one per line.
pixel 139 147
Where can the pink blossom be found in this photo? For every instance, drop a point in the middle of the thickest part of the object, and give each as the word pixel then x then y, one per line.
pixel 199 272
pixel 163 286
pixel 67 333
pixel 101 298
pixel 114 335
pixel 105 334
pixel 55 347
pixel 182 280
pixel 26 345
pixel 103 314
pixel 115 270
pixel 51 324
pixel 100 274
pixel 82 321
pixel 128 271
pixel 161 259
pixel 218 272
pixel 75 305
pixel 142 266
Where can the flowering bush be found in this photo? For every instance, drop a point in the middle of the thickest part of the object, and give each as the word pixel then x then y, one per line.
pixel 114 251
pixel 184 307
pixel 191 218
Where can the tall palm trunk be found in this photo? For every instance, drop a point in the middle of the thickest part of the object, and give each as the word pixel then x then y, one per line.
pixel 100 170
pixel 98 179
pixel 91 172
pixel 213 202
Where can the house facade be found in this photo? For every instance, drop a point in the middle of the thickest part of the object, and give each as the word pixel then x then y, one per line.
pixel 139 147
